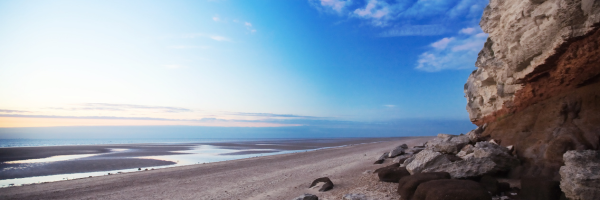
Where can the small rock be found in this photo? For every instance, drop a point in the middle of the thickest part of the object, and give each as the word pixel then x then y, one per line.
pixel 326 187
pixel 415 150
pixel 474 135
pixel 465 151
pixel 381 158
pixel 307 197
pixel 355 197
pixel 398 150
pixel 451 189
pixel 368 172
pixel 401 158
pixel 420 145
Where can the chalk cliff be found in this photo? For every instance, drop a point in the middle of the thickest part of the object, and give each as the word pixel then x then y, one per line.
pixel 537 82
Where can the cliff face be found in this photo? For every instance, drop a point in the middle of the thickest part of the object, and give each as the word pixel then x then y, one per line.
pixel 537 83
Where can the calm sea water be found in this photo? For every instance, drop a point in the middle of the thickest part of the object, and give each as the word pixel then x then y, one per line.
pixel 65 142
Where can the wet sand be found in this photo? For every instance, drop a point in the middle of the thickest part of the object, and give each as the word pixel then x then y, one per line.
pixel 269 177
pixel 136 156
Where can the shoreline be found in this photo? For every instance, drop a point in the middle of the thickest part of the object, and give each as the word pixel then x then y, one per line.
pixel 131 157
pixel 238 177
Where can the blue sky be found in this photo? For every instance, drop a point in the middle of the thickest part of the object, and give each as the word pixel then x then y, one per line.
pixel 235 63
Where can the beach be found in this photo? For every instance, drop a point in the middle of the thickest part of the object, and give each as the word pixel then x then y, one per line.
pixel 282 176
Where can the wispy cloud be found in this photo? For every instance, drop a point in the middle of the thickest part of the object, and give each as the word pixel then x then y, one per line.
pixel 188 47
pixel 216 19
pixel 248 26
pixel 411 30
pixel 213 37
pixel 220 38
pixel 390 106
pixel 376 11
pixel 459 52
pixel 336 6
pixel 271 115
pixel 121 107
pixel 174 66
pixel 13 111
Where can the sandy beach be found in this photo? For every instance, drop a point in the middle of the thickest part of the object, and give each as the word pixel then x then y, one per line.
pixel 282 176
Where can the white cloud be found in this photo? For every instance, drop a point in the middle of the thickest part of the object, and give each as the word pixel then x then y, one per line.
pixel 249 27
pixel 335 5
pixel 248 24
pixel 459 52
pixel 173 66
pixel 219 38
pixel 390 106
pixel 408 30
pixel 188 47
pixel 216 19
pixel 376 11
pixel 441 44
pixel 468 31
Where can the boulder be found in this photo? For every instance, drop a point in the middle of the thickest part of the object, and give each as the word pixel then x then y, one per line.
pixel 355 197
pixel 426 159
pixel 420 145
pixel 407 161
pixel 395 165
pixel 399 150
pixel 475 134
pixel 493 186
pixel 539 189
pixel 326 187
pixel 392 174
pixel 415 150
pixel 408 184
pixel 451 189
pixel 487 158
pixel 381 158
pixel 446 143
pixel 580 177
pixel 307 197
pixel 401 158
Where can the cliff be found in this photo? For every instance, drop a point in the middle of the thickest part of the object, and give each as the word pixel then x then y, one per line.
pixel 537 82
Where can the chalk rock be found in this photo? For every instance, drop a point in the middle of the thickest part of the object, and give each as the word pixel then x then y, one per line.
pixel 401 158
pixel 446 143
pixel 580 177
pixel 307 197
pixel 466 152
pixel 355 197
pixel 475 134
pixel 487 158
pixel 426 159
pixel 398 150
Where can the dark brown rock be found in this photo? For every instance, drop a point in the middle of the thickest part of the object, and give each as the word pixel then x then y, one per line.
pixel 451 189
pixel 408 184
pixel 326 187
pixel 395 165
pixel 493 186
pixel 392 174
pixel 539 189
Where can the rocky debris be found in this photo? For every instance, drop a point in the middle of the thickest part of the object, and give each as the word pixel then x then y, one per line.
pixel 539 189
pixel 465 151
pixel 475 134
pixel 407 161
pixel 580 177
pixel 401 158
pixel 326 187
pixel 425 159
pixel 408 184
pixel 493 186
pixel 415 150
pixel 381 158
pixel 399 150
pixel 392 174
pixel 420 145
pixel 355 197
pixel 451 189
pixel 487 158
pixel 307 197
pixel 446 143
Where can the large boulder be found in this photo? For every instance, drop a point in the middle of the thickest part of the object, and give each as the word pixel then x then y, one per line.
pixel 487 158
pixel 426 159
pixel 392 174
pixel 580 177
pixel 451 189
pixel 399 150
pixel 448 143
pixel 408 184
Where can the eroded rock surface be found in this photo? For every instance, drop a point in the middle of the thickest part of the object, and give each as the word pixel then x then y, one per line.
pixel 537 83
pixel 425 159
pixel 580 177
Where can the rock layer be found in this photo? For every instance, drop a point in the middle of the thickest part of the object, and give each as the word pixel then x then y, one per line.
pixel 537 80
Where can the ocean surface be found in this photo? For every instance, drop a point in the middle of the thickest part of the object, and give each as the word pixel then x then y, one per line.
pixel 67 142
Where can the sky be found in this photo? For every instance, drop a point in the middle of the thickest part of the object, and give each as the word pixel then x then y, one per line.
pixel 302 64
